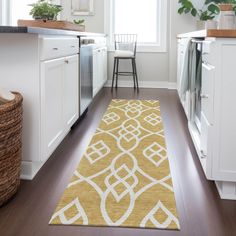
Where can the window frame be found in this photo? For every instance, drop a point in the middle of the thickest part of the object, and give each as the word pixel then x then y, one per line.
pixel 4 9
pixel 141 47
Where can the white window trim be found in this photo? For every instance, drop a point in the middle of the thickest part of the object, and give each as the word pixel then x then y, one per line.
pixel 163 14
pixel 4 9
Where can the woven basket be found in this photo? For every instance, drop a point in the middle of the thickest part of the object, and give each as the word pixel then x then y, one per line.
pixel 10 147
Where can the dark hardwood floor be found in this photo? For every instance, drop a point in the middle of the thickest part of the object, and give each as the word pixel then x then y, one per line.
pixel 200 209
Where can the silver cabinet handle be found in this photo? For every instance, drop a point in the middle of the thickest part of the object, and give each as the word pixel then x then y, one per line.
pixel 55 49
pixel 204 96
pixel 203 155
pixel 207 66
pixel 72 46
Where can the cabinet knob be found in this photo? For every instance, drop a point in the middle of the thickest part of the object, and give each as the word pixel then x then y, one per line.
pixel 66 61
pixel 55 49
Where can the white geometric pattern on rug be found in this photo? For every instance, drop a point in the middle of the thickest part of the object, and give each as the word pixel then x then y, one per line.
pixel 155 153
pixel 153 119
pixel 111 118
pixel 97 151
pixel 80 213
pixel 151 217
pixel 123 176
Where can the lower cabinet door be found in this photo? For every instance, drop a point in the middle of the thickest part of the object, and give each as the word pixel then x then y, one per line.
pixel 99 69
pixel 206 146
pixel 71 91
pixel 52 129
pixel 104 61
pixel 96 73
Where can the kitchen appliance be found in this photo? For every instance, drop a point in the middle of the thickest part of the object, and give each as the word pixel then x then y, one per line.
pixel 86 72
pixel 195 91
pixel 190 77
pixel 87 46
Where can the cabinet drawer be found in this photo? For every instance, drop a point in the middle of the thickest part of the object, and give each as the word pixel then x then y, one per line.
pixel 51 48
pixel 207 95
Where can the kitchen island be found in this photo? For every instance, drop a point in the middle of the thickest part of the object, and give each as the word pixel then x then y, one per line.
pixel 43 65
pixel 212 124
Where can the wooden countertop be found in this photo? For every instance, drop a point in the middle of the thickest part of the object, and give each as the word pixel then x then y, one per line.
pixel 209 33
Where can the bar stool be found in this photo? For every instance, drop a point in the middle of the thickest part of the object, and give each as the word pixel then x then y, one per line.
pixel 125 49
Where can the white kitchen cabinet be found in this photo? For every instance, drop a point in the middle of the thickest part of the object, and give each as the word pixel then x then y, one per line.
pixel 59 101
pixel 99 69
pixel 216 148
pixel 71 91
pixel 51 105
pixel 44 69
pixel 104 60
pixel 96 72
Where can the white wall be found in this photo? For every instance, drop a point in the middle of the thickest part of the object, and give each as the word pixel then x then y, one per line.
pixel 152 67
pixel 93 23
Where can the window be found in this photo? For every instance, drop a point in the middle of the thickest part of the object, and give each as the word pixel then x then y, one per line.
pixel 147 19
pixel 19 10
pixel 3 12
pixel 13 10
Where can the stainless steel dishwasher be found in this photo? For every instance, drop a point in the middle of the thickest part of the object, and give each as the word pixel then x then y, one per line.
pixel 86 73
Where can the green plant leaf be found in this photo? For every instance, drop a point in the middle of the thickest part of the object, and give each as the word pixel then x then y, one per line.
pixel 194 12
pixel 181 10
pixel 213 9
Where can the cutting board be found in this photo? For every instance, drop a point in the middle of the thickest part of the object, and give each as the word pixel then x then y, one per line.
pixel 63 25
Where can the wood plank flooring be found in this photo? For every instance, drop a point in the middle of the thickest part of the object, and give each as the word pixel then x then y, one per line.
pixel 201 211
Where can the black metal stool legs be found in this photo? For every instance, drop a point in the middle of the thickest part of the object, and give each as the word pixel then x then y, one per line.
pixel 114 71
pixel 136 75
pixel 117 71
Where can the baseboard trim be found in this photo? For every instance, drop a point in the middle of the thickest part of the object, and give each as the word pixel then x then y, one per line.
pixel 227 190
pixel 144 84
pixel 30 169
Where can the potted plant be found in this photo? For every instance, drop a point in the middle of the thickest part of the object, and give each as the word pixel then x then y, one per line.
pixel 207 13
pixel 45 10
pixel 225 5
pixel 79 21
pixel 227 13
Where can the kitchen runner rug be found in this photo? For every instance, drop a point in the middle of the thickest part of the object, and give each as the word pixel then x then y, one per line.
pixel 124 177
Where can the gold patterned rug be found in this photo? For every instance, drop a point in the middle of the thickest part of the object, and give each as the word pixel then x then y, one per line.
pixel 124 177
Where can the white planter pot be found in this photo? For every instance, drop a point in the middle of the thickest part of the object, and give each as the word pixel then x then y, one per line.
pixel 201 25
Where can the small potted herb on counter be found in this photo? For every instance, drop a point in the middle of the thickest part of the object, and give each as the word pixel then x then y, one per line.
pixel 45 10
pixel 79 22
